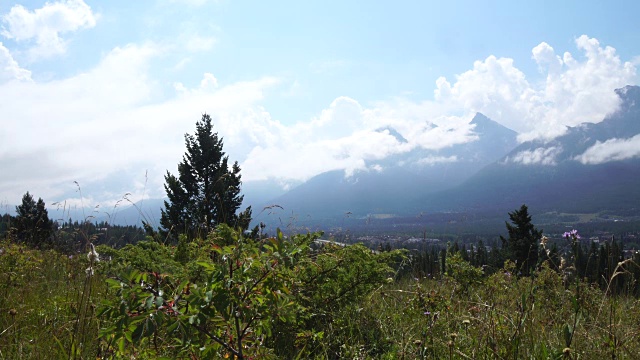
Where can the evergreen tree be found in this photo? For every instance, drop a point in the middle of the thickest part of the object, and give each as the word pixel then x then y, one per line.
pixel 481 254
pixel 32 224
pixel 206 191
pixel 522 244
pixel 495 258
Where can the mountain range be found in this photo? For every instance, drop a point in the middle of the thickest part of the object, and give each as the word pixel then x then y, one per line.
pixel 593 167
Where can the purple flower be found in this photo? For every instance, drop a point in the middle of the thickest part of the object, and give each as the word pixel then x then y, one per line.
pixel 571 234
pixel 427 313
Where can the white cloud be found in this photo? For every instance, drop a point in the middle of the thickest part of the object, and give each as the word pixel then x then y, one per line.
pixel 112 122
pixel 575 91
pixel 345 136
pixel 9 68
pixel 538 156
pixel 432 160
pixel 611 150
pixel 108 123
pixel 544 55
pixel 308 155
pixel 46 24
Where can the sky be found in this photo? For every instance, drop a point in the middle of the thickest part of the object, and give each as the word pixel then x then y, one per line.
pixel 99 94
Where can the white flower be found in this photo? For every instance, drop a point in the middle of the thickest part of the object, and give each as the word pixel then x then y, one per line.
pixel 543 241
pixel 93 256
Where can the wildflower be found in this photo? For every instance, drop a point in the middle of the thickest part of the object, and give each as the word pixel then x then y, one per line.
pixel 93 256
pixel 427 313
pixel 544 241
pixel 466 322
pixel 571 234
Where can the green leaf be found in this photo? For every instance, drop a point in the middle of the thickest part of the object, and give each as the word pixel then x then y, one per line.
pixel 121 342
pixel 148 304
pixel 567 335
pixel 171 328
pixel 150 328
pixel 114 284
pixel 206 265
pixel 135 334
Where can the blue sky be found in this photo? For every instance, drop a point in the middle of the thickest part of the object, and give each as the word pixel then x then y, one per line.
pixel 101 92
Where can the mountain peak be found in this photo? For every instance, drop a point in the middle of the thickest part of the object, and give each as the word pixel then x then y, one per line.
pixel 393 132
pixel 628 92
pixel 484 125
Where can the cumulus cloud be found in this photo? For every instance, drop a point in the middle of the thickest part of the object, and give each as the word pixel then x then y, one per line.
pixel 307 154
pixel 9 68
pixel 44 26
pixel 346 136
pixel 110 121
pixel 575 90
pixel 611 150
pixel 538 156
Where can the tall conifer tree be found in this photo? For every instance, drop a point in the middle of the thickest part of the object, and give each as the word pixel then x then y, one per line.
pixel 522 244
pixel 32 225
pixel 206 191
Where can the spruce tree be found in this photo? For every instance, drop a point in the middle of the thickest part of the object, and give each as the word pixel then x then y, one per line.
pixel 206 191
pixel 32 224
pixel 522 244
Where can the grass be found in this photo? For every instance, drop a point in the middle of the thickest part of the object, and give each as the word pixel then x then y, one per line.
pixel 504 318
pixel 48 302
pixel 46 306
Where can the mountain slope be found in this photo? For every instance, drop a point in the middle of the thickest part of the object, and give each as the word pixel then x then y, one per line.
pixel 557 175
pixel 393 184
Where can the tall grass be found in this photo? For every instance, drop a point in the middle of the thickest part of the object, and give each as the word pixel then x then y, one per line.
pixel 47 311
pixel 45 305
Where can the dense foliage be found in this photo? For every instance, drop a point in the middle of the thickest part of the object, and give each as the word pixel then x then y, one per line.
pixel 206 191
pixel 522 244
pixel 32 225
pixel 277 297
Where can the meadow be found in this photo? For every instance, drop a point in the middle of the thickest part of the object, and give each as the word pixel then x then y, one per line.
pixel 231 296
